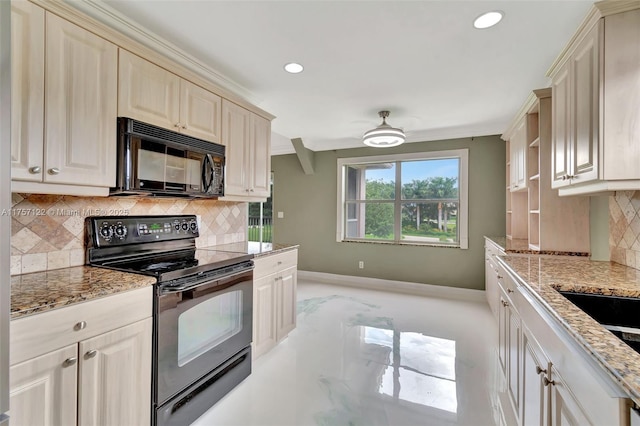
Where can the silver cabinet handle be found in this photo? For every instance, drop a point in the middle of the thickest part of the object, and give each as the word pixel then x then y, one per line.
pixel 54 171
pixel 279 263
pixel 564 177
pixel 177 125
pixel 90 354
pixel 548 382
pixel 183 127
pixel 499 276
pixel 540 370
pixel 35 170
pixel 80 326
pixel 251 190
pixel 509 290
pixel 69 361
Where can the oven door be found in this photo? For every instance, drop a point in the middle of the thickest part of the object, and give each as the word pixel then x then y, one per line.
pixel 199 328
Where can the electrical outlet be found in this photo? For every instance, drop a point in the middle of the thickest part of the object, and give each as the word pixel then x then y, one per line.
pixel 280 215
pixel 361 264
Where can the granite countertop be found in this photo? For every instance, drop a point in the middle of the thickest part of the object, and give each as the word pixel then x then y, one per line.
pixel 254 248
pixel 522 247
pixel 544 275
pixel 42 291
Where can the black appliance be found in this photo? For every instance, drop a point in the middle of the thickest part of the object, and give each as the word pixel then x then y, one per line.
pixel 158 162
pixel 202 308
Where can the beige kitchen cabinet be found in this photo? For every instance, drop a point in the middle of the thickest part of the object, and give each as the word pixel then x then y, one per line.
pixel 548 378
pixel 43 389
pixel 74 94
pixel 492 290
pixel 86 364
pixel 518 157
pixel 274 300
pixel 247 138
pixel 151 94
pixel 596 104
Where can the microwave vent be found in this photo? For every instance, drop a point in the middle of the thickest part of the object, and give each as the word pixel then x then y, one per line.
pixel 149 131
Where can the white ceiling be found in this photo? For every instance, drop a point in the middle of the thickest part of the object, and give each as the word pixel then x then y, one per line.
pixel 422 60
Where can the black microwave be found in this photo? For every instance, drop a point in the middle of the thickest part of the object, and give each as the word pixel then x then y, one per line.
pixel 154 161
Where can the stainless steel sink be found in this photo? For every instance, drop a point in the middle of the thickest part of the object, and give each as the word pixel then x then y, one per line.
pixel 620 315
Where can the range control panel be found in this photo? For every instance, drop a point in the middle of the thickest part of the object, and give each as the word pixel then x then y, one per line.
pixel 121 230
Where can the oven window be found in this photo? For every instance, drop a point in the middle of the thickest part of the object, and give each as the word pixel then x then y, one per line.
pixel 208 324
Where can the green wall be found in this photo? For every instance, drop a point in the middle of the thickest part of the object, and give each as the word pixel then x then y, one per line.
pixel 309 206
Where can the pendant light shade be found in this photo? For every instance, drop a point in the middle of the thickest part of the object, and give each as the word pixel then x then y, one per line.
pixel 383 136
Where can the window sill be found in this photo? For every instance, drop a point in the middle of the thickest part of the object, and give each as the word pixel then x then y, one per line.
pixel 402 243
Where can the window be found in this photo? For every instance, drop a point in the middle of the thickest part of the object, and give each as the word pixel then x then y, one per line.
pixel 418 198
pixel 260 223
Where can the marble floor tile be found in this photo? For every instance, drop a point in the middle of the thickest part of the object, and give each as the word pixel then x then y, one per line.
pixel 370 358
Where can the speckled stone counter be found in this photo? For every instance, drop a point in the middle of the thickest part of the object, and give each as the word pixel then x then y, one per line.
pixel 257 249
pixel 543 275
pixel 42 291
pixel 522 247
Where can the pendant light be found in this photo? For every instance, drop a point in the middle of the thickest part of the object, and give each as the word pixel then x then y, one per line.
pixel 383 136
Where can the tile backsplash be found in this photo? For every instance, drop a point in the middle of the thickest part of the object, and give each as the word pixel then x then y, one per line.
pixel 47 231
pixel 624 228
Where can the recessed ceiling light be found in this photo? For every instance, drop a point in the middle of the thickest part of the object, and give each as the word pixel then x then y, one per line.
pixel 488 19
pixel 293 68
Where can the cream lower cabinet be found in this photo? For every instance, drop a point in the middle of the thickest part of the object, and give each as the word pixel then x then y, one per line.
pixel 548 378
pixel 103 379
pixel 247 138
pixel 274 300
pixel 64 81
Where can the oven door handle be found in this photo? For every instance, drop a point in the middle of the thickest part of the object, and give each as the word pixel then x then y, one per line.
pixel 207 173
pixel 205 281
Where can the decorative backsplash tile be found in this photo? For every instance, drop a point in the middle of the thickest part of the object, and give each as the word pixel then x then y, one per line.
pixel 624 228
pixel 47 231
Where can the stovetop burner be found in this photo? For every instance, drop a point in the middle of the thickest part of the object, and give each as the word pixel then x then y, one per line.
pixel 169 266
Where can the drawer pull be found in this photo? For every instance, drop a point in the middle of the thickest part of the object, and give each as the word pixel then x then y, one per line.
pixel 54 171
pixel 505 304
pixel 509 290
pixel 69 361
pixel 540 370
pixel 80 326
pixel 499 276
pixel 279 263
pixel 90 354
pixel 548 382
pixel 35 170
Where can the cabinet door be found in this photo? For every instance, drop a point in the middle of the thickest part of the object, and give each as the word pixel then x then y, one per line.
pixel 236 127
pixel 260 157
pixel 147 92
pixel 43 389
pixel 200 113
pixel 27 91
pixel 80 106
pixel 264 315
pixel 491 284
pixel 535 407
pixel 115 377
pixel 514 353
pixel 621 131
pixel 287 285
pixel 561 128
pixel 585 108
pixel 519 150
pixel 565 409
pixel 503 330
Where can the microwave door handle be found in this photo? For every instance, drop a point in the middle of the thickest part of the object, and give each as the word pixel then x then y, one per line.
pixel 207 166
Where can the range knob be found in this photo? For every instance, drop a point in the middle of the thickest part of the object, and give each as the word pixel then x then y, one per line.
pixel 106 232
pixel 194 226
pixel 121 231
pixel 185 226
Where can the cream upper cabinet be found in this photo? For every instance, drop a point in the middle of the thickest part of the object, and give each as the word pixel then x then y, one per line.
pixel 247 138
pixel 596 99
pixel 64 127
pixel 151 94
pixel 27 91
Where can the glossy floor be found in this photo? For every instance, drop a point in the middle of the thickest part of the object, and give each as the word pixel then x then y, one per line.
pixel 370 358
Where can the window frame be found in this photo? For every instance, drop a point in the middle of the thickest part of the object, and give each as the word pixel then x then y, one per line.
pixel 463 193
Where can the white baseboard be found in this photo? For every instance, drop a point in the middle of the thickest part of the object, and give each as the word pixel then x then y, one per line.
pixel 416 289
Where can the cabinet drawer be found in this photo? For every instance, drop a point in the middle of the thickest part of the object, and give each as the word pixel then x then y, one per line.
pixel 505 280
pixel 40 333
pixel 271 264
